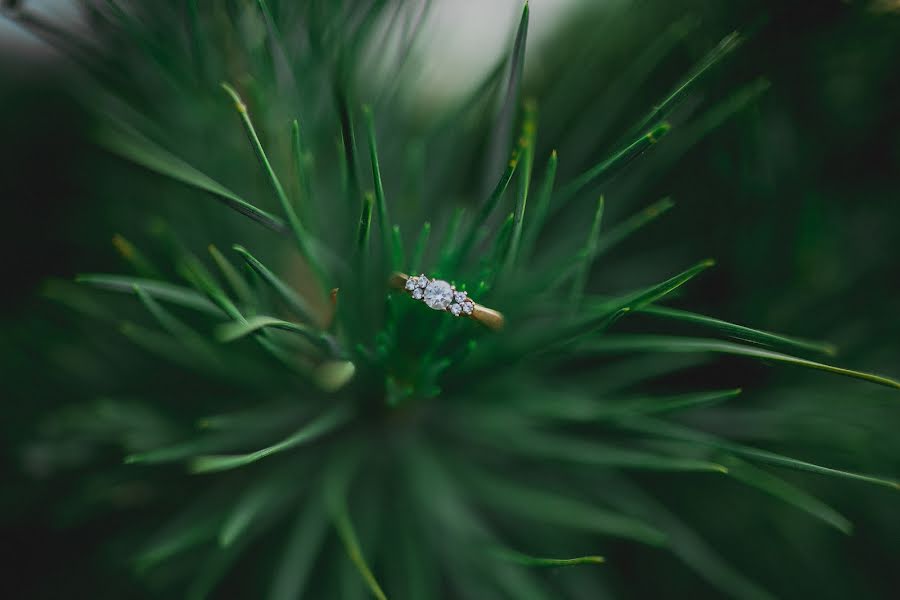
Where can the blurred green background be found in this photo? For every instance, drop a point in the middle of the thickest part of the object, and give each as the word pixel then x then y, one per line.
pixel 795 195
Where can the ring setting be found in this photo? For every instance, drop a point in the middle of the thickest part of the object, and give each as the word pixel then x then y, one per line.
pixel 437 294
pixel 440 295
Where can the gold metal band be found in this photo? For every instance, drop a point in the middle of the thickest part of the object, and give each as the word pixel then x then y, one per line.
pixel 488 317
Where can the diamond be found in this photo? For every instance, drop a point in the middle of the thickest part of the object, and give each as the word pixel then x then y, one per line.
pixel 455 309
pixel 468 307
pixel 438 295
pixel 459 297
pixel 412 283
pixel 417 294
pixel 423 281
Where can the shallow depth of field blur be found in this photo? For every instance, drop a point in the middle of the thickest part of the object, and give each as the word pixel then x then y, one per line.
pixel 796 195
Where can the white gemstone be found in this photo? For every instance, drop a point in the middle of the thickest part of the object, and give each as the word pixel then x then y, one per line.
pixel 459 297
pixel 468 307
pixel 455 309
pixel 438 295
pixel 423 281
pixel 412 283
pixel 417 294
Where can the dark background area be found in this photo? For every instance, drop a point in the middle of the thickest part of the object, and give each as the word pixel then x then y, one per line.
pixel 796 197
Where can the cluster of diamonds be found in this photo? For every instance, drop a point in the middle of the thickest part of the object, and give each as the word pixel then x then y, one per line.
pixel 440 295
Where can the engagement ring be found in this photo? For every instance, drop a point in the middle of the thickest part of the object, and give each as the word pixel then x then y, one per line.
pixel 440 295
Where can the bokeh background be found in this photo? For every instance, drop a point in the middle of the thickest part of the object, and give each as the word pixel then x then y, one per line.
pixel 797 196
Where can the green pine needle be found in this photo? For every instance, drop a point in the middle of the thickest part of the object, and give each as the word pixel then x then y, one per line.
pixel 138 149
pixel 650 343
pixel 315 429
pixel 381 203
pixel 284 291
pixel 741 332
pixel 609 166
pixel 659 428
pixel 160 290
pixel 365 224
pixel 534 561
pixel 229 332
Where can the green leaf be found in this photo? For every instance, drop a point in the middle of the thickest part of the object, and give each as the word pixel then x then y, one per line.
pixel 460 526
pixel 612 164
pixel 180 535
pixel 381 203
pixel 365 223
pixel 624 229
pixel 333 375
pixel 544 446
pixel 659 343
pixel 348 145
pixel 252 505
pixel 265 416
pixel 533 561
pixel 726 46
pixel 502 135
pixel 526 148
pixel 198 345
pixel 602 316
pixel 264 161
pixel 134 147
pixel 161 345
pixel 501 243
pixel 477 227
pixel 588 254
pixel 679 402
pixel 315 429
pixel 605 241
pixel 587 324
pixel 194 271
pixel 217 562
pixel 713 118
pixel 196 274
pixel 641 71
pixel 160 290
pixel 231 275
pixel 301 236
pixel 283 290
pixel 739 331
pixel 168 321
pixel 407 575
pixel 194 446
pixel 542 206
pixel 476 98
pixel 228 332
pixel 781 489
pixel 212 570
pixel 280 59
pixel 546 507
pixel 73 296
pixel 140 263
pixel 684 542
pixel 305 539
pixel 684 434
pixel 336 498
pixel 580 409
pixel 301 165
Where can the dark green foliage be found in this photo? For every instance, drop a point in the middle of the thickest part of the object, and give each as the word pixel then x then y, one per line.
pixel 351 426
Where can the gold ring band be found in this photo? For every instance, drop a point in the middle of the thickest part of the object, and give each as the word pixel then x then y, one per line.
pixel 440 295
